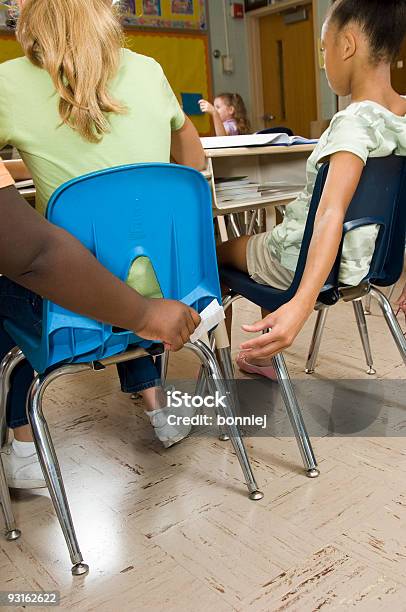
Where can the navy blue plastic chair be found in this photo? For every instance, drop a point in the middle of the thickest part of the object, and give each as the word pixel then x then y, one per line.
pixel 161 211
pixel 380 198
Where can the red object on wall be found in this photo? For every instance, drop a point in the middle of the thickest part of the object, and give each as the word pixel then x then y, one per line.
pixel 237 10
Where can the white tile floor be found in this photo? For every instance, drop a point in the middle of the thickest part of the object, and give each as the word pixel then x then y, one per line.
pixel 174 530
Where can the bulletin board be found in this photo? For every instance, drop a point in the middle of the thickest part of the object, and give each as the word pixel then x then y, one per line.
pixel 168 14
pixel 185 61
pixel 9 48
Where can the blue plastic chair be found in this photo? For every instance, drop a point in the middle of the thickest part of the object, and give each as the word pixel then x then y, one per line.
pixel 161 211
pixel 380 198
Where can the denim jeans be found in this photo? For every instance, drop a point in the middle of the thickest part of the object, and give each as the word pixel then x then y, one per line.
pixel 25 308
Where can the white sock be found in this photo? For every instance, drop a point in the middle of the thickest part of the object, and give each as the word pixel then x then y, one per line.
pixel 23 449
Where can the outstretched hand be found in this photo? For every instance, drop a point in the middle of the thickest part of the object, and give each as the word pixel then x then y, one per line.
pixel 206 107
pixel 284 325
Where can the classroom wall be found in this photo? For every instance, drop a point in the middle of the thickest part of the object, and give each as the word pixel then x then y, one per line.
pixel 328 98
pixel 238 81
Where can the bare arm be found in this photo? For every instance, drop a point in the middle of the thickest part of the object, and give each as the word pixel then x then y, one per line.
pixel 50 262
pixel 286 322
pixel 219 128
pixel 219 125
pixel 186 147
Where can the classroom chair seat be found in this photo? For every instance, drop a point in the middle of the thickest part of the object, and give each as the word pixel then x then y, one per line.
pixel 110 212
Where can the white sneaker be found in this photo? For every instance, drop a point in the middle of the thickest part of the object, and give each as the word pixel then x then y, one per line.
pixel 21 472
pixel 170 434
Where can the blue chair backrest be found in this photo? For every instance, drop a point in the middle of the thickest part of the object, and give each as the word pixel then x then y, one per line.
pixel 161 211
pixel 379 199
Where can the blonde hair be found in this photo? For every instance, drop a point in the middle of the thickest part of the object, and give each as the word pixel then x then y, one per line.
pixel 240 111
pixel 78 43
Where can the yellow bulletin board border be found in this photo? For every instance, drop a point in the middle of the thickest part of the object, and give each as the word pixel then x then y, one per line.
pixel 167 14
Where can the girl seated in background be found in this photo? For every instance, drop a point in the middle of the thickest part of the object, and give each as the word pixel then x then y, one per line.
pixel 81 103
pixel 229 114
pixel 360 39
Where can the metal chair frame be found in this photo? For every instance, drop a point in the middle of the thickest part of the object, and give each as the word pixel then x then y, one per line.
pixel 355 295
pixel 45 447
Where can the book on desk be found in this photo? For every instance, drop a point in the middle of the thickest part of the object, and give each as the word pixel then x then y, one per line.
pixel 254 140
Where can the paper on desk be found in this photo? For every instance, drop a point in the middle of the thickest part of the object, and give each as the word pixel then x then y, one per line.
pixel 211 316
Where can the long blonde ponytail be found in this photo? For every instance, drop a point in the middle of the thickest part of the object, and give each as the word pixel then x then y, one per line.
pixel 78 43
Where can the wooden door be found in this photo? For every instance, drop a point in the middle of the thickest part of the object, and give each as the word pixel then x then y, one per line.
pixel 399 71
pixel 288 72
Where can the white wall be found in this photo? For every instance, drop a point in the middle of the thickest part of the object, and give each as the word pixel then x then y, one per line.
pixel 328 98
pixel 238 81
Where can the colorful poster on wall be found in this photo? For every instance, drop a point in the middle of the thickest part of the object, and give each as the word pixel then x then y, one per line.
pixel 151 7
pixel 182 7
pixel 168 14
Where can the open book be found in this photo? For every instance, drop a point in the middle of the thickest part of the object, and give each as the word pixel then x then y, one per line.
pixel 254 140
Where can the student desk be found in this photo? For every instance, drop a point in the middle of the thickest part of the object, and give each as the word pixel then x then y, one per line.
pixel 260 165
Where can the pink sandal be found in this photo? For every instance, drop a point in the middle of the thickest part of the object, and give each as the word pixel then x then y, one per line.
pixel 250 368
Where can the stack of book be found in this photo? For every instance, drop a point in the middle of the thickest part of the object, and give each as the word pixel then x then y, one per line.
pixel 236 189
pixel 279 190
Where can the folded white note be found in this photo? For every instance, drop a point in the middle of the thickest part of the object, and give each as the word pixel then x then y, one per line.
pixel 211 316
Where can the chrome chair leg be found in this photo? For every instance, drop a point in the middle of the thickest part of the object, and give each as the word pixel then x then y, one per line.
pixel 367 304
pixel 164 367
pixel 216 379
pixel 295 416
pixel 12 533
pixel 7 365
pixel 49 462
pixel 219 339
pixel 391 292
pixel 391 320
pixel 234 226
pixel 363 332
pixel 251 222
pixel 316 340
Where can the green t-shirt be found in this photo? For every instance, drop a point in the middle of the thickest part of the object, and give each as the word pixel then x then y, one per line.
pixel 55 153
pixel 366 129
